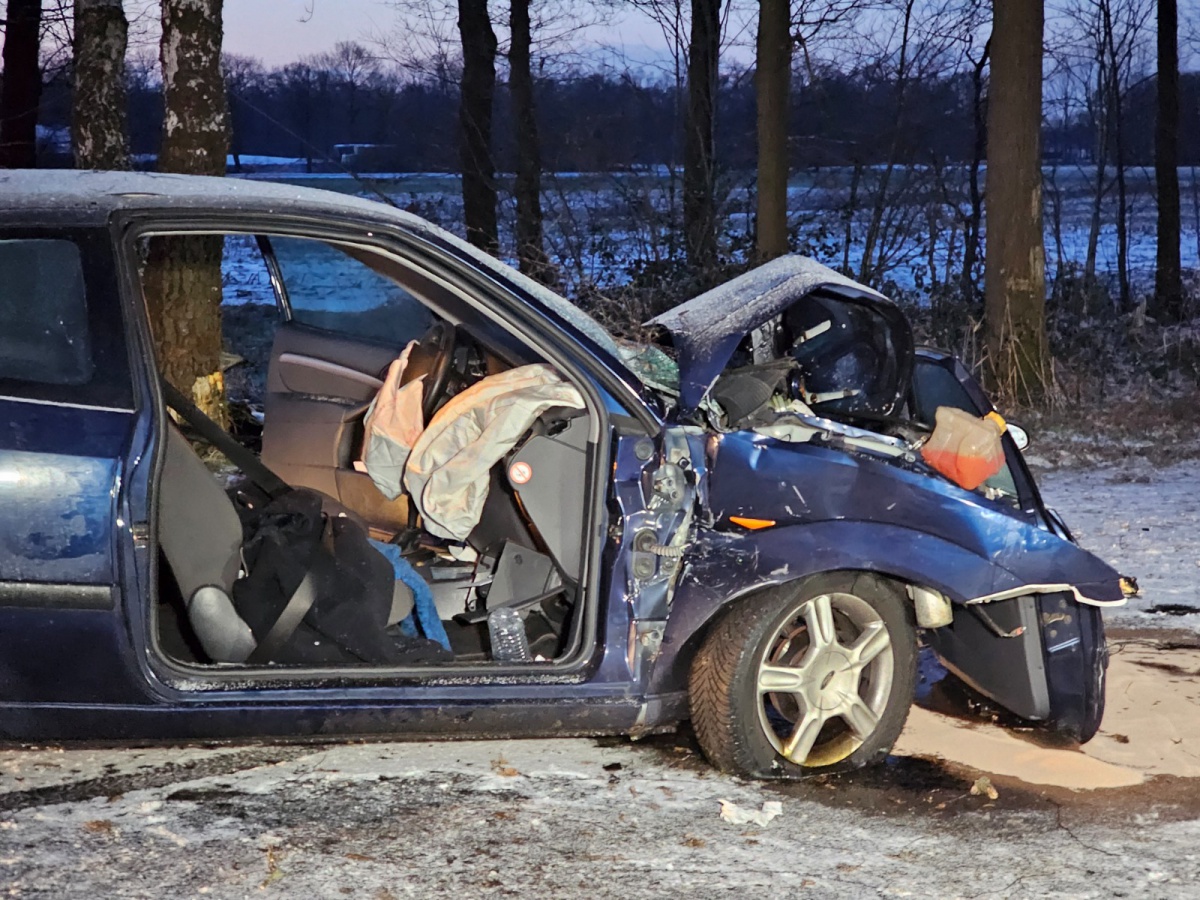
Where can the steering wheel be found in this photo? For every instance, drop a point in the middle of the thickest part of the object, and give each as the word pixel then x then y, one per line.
pixel 433 357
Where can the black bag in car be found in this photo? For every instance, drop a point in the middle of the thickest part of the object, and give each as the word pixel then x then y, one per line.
pixel 316 592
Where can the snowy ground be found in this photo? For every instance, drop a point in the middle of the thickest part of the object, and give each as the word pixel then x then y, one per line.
pixel 1146 523
pixel 609 818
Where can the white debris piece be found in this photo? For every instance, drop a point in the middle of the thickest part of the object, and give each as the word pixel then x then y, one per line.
pixel 739 815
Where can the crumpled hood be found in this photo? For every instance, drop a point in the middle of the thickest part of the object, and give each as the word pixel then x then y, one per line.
pixel 708 328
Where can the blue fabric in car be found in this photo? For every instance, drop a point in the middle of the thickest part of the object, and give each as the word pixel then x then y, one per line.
pixel 423 620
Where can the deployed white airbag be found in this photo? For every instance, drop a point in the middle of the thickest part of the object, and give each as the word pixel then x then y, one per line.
pixel 448 470
pixel 394 422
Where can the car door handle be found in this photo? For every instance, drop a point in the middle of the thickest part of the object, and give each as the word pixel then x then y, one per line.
pixel 330 368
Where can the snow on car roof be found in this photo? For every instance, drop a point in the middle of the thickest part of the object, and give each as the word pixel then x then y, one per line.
pixel 70 189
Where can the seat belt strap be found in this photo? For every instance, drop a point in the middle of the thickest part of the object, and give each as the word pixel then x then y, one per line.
pixel 244 459
pixel 289 620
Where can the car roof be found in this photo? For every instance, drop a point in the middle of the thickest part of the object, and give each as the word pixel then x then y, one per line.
pixel 92 196
pixel 89 198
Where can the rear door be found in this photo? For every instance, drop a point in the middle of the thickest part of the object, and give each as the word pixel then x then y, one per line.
pixel 342 326
pixel 66 404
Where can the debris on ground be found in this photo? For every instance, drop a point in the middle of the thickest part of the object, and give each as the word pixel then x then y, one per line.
pixel 739 815
pixel 983 787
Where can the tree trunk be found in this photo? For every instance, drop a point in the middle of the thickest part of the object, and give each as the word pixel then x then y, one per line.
pixel 699 190
pixel 1116 113
pixel 1168 283
pixel 1125 292
pixel 475 124
pixel 531 255
pixel 22 88
pixel 99 129
pixel 183 274
pixel 869 268
pixel 968 287
pixel 848 219
pixel 1014 283
pixel 772 76
pixel 1101 152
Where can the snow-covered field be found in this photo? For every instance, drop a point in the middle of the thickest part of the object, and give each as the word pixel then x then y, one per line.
pixel 601 227
pixel 574 818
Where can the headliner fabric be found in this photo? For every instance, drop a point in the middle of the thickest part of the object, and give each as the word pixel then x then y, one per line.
pixel 448 471
pixel 393 423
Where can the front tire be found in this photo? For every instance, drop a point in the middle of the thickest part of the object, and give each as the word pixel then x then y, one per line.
pixel 808 678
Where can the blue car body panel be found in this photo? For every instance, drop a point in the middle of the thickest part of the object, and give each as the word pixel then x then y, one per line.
pixel 77 573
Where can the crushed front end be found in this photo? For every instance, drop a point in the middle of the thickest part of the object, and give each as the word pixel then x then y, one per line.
pixel 817 407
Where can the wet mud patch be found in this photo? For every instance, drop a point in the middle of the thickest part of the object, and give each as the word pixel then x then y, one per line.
pixel 111 784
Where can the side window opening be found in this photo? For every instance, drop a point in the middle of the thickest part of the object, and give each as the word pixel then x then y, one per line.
pixel 331 290
pixel 62 326
pixel 935 386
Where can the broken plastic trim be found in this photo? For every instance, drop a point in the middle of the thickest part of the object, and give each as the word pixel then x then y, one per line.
pixel 1043 589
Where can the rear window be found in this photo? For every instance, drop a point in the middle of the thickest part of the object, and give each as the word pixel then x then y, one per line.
pixel 44 335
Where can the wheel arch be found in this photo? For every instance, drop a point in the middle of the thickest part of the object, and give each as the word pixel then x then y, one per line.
pixel 723 568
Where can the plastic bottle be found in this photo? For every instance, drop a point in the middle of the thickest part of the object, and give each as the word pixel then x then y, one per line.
pixel 507 633
pixel 965 448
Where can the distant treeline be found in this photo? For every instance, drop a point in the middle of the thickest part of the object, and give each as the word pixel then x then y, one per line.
pixel 610 120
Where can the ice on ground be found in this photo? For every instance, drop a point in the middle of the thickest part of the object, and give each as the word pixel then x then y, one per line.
pixel 1143 521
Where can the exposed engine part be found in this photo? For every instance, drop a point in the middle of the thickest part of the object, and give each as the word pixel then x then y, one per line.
pixel 664 550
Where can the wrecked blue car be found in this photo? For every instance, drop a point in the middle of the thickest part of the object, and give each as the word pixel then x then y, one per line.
pixel 733 525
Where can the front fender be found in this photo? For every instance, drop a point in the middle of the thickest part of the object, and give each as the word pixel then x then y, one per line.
pixel 722 566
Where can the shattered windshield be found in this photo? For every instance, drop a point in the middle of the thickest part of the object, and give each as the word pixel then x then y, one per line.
pixel 557 304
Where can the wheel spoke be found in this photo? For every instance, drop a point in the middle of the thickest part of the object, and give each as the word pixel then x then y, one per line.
pixel 818 616
pixel 799 745
pixel 860 717
pixel 782 679
pixel 868 645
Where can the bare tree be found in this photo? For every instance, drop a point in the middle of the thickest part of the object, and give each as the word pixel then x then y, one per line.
pixel 242 75
pixel 99 128
pixel 1015 269
pixel 478 88
pixel 1100 55
pixel 351 67
pixel 1168 283
pixel 772 77
pixel 183 274
pixel 699 170
pixel 22 89
pixel 531 253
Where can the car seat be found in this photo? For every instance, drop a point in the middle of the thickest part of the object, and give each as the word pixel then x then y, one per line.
pixel 201 537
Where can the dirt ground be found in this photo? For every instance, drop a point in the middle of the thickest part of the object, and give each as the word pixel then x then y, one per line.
pixel 571 817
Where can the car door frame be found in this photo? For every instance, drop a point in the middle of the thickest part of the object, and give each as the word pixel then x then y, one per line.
pixel 599 669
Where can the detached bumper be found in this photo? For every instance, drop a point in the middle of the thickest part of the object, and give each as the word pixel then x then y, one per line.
pixel 1041 655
